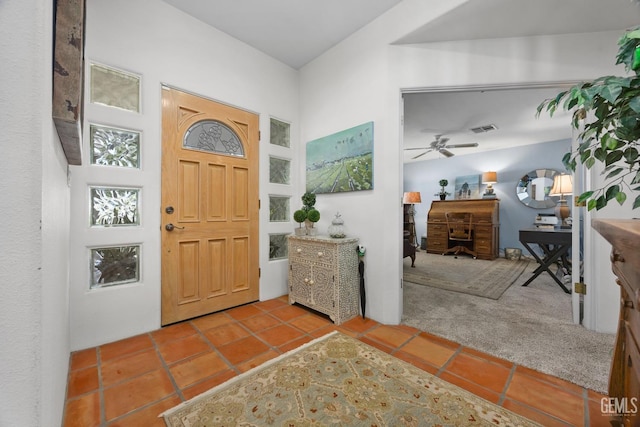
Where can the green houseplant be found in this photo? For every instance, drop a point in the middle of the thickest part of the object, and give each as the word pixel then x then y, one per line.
pixel 308 213
pixel 299 216
pixel 606 113
pixel 443 193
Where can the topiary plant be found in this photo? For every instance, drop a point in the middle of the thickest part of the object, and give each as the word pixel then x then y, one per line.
pixel 313 215
pixel 308 201
pixel 299 216
pixel 607 116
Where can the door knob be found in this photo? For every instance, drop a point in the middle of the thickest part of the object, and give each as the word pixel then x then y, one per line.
pixel 170 227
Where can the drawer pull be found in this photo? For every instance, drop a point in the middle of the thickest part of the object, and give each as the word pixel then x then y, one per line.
pixel 311 282
pixel 306 280
pixel 320 254
pixel 299 250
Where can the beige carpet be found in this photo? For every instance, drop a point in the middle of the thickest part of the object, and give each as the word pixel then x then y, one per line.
pixel 462 273
pixel 531 326
pixel 338 380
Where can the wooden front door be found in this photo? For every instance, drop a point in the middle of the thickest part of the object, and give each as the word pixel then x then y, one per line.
pixel 209 206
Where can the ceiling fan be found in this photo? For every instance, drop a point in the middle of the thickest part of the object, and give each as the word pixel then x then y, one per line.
pixel 440 145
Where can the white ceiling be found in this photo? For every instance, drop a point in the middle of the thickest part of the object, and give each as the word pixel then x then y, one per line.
pixel 297 31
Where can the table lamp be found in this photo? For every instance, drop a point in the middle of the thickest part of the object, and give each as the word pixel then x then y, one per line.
pixel 410 198
pixel 489 178
pixel 562 186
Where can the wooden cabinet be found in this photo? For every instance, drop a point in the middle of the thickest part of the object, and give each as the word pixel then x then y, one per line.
pixel 624 378
pixel 486 225
pixel 323 275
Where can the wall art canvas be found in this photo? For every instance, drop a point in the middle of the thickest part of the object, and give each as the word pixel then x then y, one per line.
pixel 467 187
pixel 342 161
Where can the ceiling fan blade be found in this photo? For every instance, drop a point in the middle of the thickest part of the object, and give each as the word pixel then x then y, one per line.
pixel 417 148
pixel 467 145
pixel 446 152
pixel 420 155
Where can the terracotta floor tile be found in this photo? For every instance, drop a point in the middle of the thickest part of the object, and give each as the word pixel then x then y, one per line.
pixel 243 350
pixel 289 312
pixel 244 312
pixel 226 334
pixel 211 321
pixel 417 362
pixel 271 304
pixel 83 359
pixel 197 368
pixel 389 335
pixel 546 397
pixel 140 391
pixel 180 349
pixel 125 346
pixel 534 415
pixel 82 381
pixel 327 330
pixel 280 335
pixel 550 379
pixel 489 375
pixel 358 324
pixel 442 341
pixel 148 416
pixel 132 365
pixel 377 344
pixel 83 411
pixel 598 417
pixel 295 344
pixel 310 322
pixel 260 322
pixel 470 386
pixel 428 351
pixel 487 357
pixel 207 384
pixel 257 361
pixel 173 332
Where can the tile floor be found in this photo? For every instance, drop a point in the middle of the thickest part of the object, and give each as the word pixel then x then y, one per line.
pixel 130 382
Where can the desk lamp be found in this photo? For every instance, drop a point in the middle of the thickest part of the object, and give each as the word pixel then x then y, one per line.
pixel 410 198
pixel 489 178
pixel 561 187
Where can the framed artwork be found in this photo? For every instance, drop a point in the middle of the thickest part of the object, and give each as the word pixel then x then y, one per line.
pixel 342 161
pixel 467 187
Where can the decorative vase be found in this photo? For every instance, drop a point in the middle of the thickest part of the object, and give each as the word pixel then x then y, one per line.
pixel 300 231
pixel 336 229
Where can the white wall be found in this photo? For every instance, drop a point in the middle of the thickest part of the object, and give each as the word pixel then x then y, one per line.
pixel 361 79
pixel 182 52
pixel 35 213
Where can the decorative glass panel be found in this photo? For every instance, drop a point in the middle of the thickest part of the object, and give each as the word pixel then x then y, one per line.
pixel 114 206
pixel 114 88
pixel 214 137
pixel 114 147
pixel 280 133
pixel 278 246
pixel 278 208
pixel 279 170
pixel 114 266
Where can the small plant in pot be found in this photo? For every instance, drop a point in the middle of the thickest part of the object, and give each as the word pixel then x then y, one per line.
pixel 300 216
pixel 443 193
pixel 313 216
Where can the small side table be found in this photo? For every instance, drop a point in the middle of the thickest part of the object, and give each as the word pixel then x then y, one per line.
pixel 555 243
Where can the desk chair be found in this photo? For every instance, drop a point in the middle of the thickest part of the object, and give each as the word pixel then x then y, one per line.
pixel 460 233
pixel 409 249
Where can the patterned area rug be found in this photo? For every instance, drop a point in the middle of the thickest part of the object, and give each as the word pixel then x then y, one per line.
pixel 338 380
pixel 488 279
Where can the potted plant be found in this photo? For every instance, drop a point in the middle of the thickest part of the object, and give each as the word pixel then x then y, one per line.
pixel 313 216
pixel 307 214
pixel 442 193
pixel 300 216
pixel 607 117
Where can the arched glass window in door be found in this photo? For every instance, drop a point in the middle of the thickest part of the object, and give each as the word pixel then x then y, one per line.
pixel 214 137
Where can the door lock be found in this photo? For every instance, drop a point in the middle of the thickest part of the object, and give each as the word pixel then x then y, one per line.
pixel 169 210
pixel 170 227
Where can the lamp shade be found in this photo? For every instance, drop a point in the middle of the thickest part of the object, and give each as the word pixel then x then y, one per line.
pixel 562 185
pixel 489 177
pixel 411 197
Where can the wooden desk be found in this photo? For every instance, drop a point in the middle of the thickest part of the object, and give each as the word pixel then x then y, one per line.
pixel 555 243
pixel 486 225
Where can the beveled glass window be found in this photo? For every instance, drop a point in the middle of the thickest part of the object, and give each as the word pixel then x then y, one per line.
pixel 114 265
pixel 279 170
pixel 278 208
pixel 278 248
pixel 114 88
pixel 114 147
pixel 114 206
pixel 280 133
pixel 214 137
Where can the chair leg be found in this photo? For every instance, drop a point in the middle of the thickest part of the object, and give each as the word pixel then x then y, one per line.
pixel 413 260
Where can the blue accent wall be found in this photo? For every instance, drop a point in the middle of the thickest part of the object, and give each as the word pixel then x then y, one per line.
pixel 510 164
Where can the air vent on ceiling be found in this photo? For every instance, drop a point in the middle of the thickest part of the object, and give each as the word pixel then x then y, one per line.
pixel 485 128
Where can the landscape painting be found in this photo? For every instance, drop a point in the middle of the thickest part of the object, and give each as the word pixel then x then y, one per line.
pixel 342 161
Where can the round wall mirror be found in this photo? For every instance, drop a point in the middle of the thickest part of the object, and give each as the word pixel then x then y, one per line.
pixel 534 187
